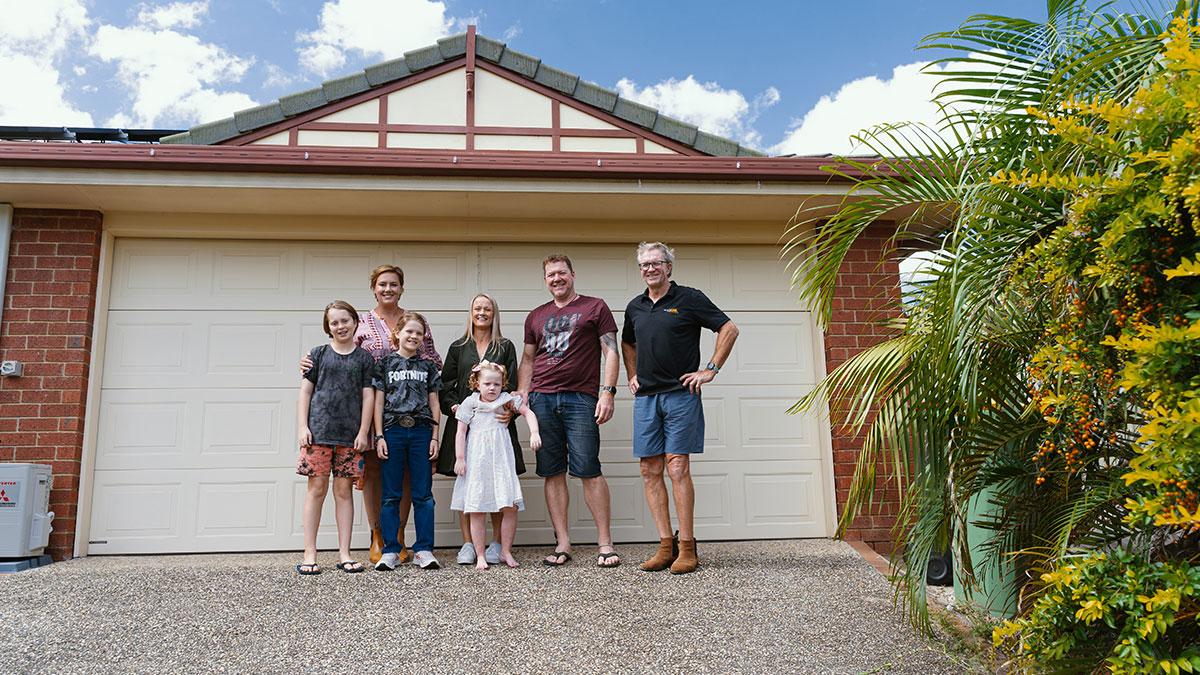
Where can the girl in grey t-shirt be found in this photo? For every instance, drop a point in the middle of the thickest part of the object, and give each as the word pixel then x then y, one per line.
pixel 334 414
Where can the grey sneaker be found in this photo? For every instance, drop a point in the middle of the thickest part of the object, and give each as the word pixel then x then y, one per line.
pixel 426 561
pixel 388 562
pixel 492 553
pixel 466 554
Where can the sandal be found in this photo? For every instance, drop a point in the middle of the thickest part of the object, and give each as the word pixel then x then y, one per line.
pixel 306 569
pixel 605 559
pixel 560 558
pixel 350 566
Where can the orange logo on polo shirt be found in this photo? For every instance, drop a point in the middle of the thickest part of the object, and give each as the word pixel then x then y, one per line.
pixel 673 310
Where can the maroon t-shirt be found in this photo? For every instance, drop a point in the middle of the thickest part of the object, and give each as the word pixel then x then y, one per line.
pixel 568 344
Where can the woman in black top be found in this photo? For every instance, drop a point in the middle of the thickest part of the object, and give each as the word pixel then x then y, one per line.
pixel 482 340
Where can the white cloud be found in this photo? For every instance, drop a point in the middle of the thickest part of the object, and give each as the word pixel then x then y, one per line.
pixel 382 29
pixel 174 77
pixel 174 15
pixel 724 112
pixel 278 77
pixel 862 103
pixel 34 40
pixel 512 32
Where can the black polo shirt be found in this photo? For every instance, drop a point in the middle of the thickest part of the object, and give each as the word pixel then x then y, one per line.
pixel 667 335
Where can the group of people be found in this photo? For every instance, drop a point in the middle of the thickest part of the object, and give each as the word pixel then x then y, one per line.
pixel 372 401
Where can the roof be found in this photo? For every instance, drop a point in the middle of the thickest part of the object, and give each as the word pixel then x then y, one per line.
pixel 447 50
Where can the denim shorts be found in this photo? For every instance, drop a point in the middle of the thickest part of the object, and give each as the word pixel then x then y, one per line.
pixel 570 435
pixel 671 422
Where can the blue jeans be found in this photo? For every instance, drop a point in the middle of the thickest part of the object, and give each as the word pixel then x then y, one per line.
pixel 408 451
pixel 570 435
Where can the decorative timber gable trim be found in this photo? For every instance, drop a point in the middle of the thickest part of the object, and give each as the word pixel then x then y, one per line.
pixel 354 110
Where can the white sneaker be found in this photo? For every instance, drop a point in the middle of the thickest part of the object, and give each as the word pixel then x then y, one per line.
pixel 388 562
pixel 492 553
pixel 425 560
pixel 466 554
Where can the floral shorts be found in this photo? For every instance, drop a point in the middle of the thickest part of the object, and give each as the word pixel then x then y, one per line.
pixel 321 460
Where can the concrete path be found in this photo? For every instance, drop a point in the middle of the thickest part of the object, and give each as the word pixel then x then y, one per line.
pixel 787 606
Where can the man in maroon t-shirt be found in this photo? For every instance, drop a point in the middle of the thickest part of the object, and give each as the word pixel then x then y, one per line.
pixel 560 377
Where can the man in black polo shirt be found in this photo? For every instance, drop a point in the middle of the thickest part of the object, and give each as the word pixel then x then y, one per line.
pixel 660 344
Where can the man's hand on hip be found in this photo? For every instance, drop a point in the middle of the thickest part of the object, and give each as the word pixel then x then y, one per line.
pixel 693 381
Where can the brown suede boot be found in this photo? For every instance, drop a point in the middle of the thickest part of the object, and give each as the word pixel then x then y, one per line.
pixel 662 558
pixel 687 560
pixel 376 551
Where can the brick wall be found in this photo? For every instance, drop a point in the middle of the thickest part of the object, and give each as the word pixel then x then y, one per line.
pixel 49 306
pixel 867 293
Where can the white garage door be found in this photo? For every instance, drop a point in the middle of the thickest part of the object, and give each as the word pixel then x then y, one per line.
pixel 196 442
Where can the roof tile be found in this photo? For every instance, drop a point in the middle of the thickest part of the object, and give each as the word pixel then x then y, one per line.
pixel 637 113
pixel 523 64
pixel 489 49
pixel 453 46
pixel 214 132
pixel 715 145
pixel 303 101
pixel 675 129
pixel 260 116
pixel 345 87
pixel 747 152
pixel 557 79
pixel 595 95
pixel 388 71
pixel 425 57
pixel 184 138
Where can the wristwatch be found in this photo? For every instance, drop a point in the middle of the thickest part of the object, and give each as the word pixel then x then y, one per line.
pixel 713 367
pixel 610 390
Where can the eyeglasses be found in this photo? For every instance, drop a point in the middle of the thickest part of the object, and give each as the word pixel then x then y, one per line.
pixel 651 264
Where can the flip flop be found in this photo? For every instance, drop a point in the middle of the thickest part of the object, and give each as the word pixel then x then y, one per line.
pixel 350 566
pixel 560 558
pixel 307 569
pixel 602 559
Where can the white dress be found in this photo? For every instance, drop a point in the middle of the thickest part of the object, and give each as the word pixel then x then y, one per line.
pixel 491 482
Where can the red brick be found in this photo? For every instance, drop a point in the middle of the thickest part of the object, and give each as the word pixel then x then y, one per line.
pixel 38 424
pixel 33 454
pixel 68 236
pixel 41 396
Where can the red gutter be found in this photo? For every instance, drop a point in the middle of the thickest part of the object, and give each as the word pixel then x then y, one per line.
pixel 283 159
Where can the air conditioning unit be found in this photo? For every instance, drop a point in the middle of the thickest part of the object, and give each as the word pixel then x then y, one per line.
pixel 25 514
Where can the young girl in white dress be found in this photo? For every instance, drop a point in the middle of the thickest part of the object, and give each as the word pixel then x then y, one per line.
pixel 487 473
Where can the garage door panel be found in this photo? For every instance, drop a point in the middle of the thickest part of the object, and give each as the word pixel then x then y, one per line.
pixel 758 280
pixel 197 429
pixel 784 496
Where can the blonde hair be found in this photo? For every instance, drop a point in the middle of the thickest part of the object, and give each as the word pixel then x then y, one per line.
pixel 494 340
pixel 405 318
pixel 473 380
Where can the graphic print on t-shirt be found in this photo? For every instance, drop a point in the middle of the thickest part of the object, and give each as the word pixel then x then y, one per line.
pixel 556 335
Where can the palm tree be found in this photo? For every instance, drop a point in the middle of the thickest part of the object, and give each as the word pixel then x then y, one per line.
pixel 945 403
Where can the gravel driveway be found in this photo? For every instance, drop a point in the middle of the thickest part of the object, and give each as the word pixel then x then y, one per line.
pixel 783 606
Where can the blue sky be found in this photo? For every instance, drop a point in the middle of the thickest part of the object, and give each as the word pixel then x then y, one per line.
pixel 795 76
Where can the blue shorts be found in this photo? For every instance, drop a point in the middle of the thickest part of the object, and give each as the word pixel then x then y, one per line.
pixel 570 435
pixel 671 422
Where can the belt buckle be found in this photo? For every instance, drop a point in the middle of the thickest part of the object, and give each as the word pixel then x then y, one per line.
pixel 407 421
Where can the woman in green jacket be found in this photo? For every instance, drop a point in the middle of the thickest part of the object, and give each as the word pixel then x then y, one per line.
pixel 482 340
